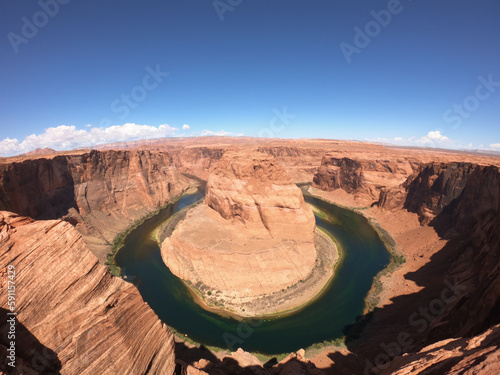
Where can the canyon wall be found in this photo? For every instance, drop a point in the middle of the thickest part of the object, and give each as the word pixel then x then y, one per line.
pixel 101 193
pixel 73 316
pixel 461 202
pixel 95 317
pixel 360 177
pixel 300 163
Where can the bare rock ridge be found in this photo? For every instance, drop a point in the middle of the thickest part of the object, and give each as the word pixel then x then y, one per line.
pixel 363 178
pixel 476 355
pixel 255 219
pixel 256 190
pixel 74 317
pixel 101 193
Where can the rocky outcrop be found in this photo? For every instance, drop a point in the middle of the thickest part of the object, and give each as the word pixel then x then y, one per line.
pixel 101 193
pixel 472 222
pixel 256 190
pixel 434 186
pixel 479 355
pixel 40 151
pixel 251 241
pixel 300 163
pixel 197 161
pixel 337 173
pixel 461 201
pixel 73 315
pixel 363 178
pixel 39 188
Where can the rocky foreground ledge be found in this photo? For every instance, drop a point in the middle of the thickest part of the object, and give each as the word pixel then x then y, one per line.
pixel 73 316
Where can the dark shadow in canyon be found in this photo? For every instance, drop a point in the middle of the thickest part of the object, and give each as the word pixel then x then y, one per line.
pixel 459 295
pixel 188 355
pixel 30 353
pixel 42 189
pixel 458 298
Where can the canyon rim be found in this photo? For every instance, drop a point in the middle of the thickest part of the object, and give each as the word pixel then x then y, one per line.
pixel 62 211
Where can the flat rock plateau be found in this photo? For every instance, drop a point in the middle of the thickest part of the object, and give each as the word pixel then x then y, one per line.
pixel 251 246
pixel 436 312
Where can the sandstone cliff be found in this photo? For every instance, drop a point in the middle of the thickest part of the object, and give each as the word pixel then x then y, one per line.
pixel 256 190
pixel 74 317
pixel 363 178
pixel 255 219
pixel 479 355
pixel 434 186
pixel 300 163
pixel 102 193
pixel 461 203
pixel 471 221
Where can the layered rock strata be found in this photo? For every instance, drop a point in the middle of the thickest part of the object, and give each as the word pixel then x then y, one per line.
pixel 101 193
pixel 73 316
pixel 252 239
pixel 362 178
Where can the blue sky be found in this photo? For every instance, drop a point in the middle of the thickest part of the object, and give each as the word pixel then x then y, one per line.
pixel 78 73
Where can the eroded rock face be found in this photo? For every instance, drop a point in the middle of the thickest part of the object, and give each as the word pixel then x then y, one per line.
pixel 101 193
pixel 434 187
pixel 74 317
pixel 461 201
pixel 478 355
pixel 335 173
pixel 256 190
pixel 363 178
pixel 253 239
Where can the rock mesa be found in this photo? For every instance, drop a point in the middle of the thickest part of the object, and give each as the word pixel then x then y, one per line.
pixel 252 238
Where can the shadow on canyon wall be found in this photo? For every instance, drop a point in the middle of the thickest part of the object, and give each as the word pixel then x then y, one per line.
pixel 460 285
pixel 30 354
pixel 42 189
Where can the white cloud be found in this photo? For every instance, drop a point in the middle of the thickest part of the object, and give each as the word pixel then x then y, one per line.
pixel 66 137
pixel 219 133
pixel 186 127
pixel 434 137
pixel 495 145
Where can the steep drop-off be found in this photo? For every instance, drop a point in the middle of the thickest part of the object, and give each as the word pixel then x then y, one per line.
pixel 253 239
pixel 463 205
pixel 102 193
pixel 461 202
pixel 362 178
pixel 74 317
